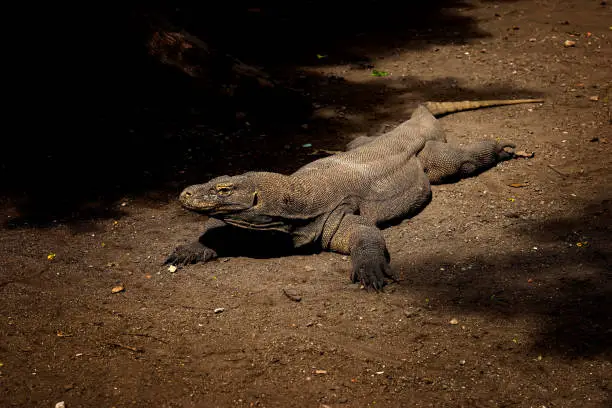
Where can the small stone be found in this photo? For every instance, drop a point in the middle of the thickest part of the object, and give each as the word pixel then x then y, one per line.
pixel 412 312
pixel 172 268
pixel 462 362
pixel 292 294
pixel 594 98
pixel 219 310
pixel 569 43
pixel 454 321
pixel 60 404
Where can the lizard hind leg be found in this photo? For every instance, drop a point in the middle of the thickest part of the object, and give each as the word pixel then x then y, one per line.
pixel 443 162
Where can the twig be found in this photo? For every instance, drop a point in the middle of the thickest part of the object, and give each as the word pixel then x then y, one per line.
pixel 145 335
pixel 558 171
pixel 123 346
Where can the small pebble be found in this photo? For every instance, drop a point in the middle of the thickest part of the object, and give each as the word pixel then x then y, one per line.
pixel 219 310
pixel 60 404
pixel 411 312
pixel 292 294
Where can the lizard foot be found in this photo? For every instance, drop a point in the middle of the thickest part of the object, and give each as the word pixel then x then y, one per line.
pixel 505 150
pixel 371 270
pixel 190 254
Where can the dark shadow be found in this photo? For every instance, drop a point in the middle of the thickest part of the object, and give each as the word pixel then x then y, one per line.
pixel 281 34
pixel 568 287
pixel 233 242
pixel 116 124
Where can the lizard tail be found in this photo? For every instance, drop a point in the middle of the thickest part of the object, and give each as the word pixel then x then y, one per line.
pixel 443 108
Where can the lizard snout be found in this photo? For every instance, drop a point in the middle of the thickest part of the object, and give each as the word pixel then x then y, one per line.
pixel 186 193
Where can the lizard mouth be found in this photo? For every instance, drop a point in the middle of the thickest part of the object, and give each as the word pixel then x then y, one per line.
pixel 202 207
pixel 264 226
pixel 212 208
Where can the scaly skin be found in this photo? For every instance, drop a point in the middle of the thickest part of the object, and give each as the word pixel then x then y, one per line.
pixel 341 202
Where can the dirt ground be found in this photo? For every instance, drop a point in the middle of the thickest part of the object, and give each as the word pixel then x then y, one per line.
pixel 505 298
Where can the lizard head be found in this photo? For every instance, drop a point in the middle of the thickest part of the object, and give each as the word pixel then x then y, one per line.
pixel 221 195
pixel 247 200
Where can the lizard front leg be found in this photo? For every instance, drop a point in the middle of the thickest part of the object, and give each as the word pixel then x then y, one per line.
pixel 366 245
pixel 196 251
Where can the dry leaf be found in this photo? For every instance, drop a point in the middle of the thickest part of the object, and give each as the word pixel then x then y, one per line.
pixel 118 288
pixel 522 153
pixel 51 256
pixel 518 185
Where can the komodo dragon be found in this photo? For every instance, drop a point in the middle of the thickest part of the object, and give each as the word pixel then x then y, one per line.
pixel 341 202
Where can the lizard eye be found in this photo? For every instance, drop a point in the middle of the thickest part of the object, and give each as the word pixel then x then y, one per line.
pixel 224 190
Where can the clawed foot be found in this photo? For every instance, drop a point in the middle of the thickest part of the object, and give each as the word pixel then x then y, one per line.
pixel 371 270
pixel 505 150
pixel 190 254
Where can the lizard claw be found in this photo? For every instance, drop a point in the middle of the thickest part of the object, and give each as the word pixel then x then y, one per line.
pixel 190 254
pixel 505 150
pixel 371 271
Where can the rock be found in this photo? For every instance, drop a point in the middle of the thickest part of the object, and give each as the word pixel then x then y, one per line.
pixel 292 294
pixel 412 312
